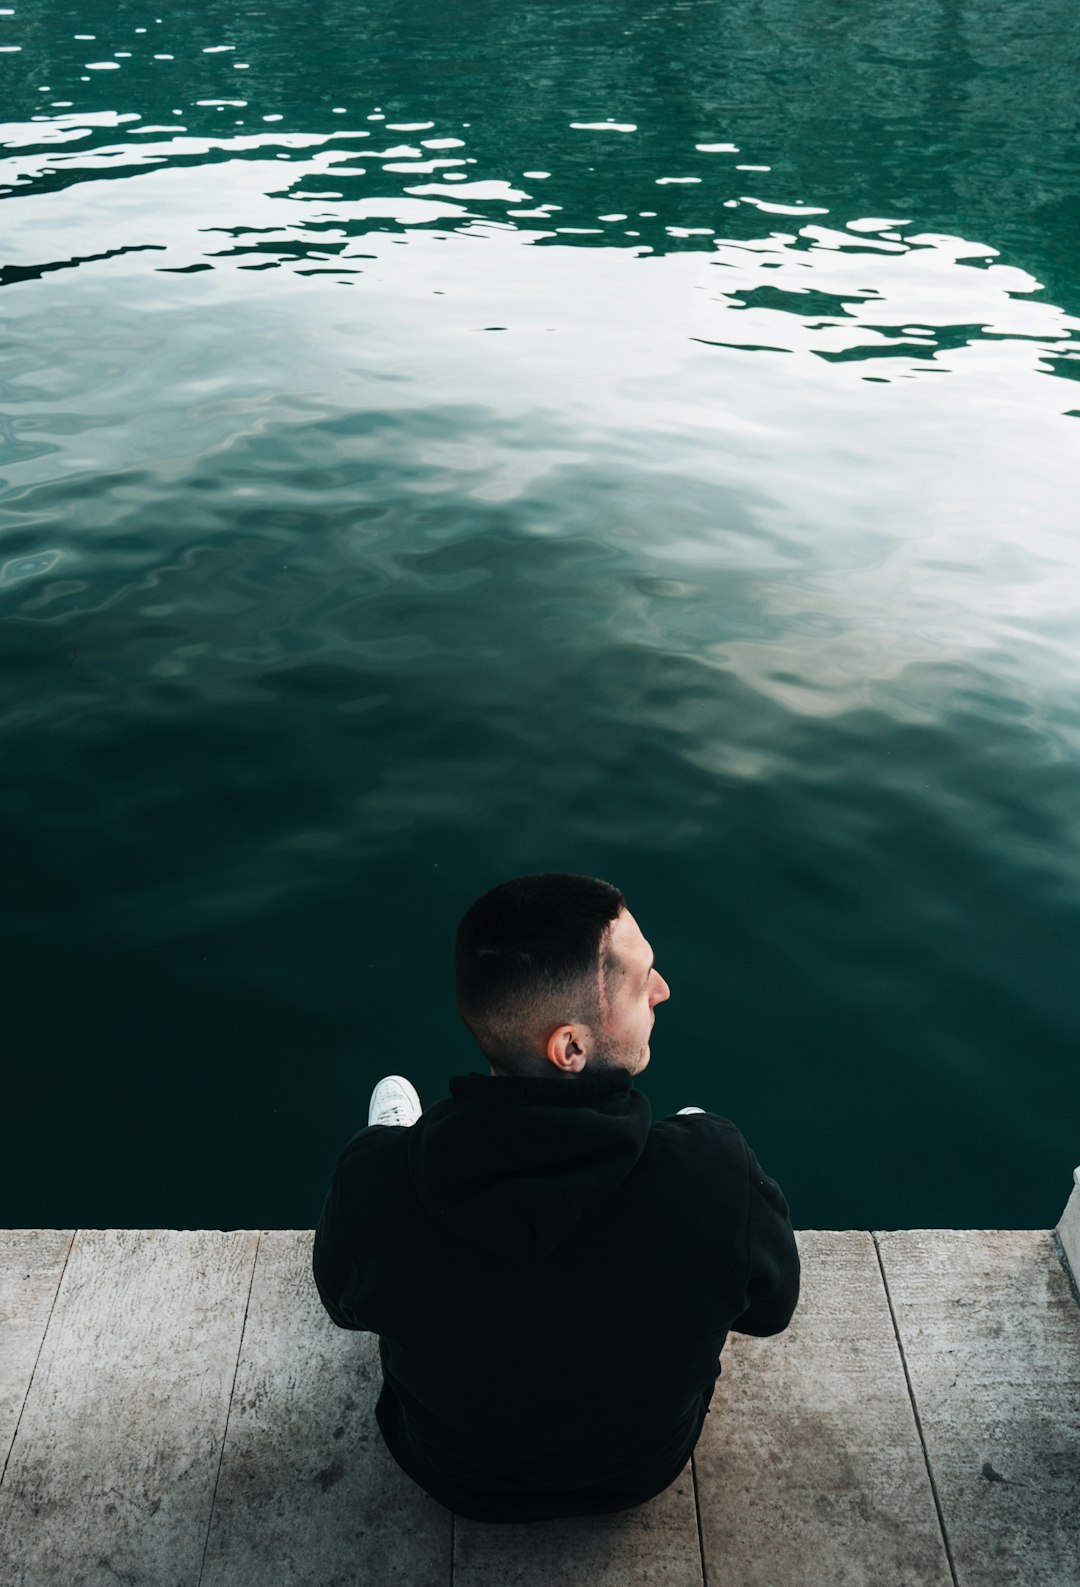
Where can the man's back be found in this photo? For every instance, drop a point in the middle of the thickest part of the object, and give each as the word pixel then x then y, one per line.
pixel 552 1279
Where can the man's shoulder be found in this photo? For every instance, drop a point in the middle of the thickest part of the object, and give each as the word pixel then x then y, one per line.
pixel 702 1141
pixel 703 1126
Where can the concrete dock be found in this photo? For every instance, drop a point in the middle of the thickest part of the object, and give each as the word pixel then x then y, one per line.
pixel 176 1410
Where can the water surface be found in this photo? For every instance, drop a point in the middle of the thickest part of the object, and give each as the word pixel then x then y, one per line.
pixel 444 444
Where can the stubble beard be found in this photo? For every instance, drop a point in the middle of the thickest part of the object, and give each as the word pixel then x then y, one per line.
pixel 606 1058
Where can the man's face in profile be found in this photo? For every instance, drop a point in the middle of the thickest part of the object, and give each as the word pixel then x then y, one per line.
pixel 627 999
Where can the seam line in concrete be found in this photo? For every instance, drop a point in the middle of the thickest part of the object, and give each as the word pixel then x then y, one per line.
pixel 228 1411
pixel 37 1358
pixel 915 1412
pixel 700 1532
pixel 453 1544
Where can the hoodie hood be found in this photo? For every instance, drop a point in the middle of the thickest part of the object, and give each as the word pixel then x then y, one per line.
pixel 513 1164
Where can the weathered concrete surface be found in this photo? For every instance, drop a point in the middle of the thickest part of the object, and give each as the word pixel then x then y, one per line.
pixel 991 1335
pixel 655 1545
pixel 308 1492
pixel 111 1475
pixel 810 1467
pixel 31 1262
pixel 810 1470
pixel 1068 1230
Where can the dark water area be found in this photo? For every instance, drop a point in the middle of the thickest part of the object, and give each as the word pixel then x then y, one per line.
pixel 637 440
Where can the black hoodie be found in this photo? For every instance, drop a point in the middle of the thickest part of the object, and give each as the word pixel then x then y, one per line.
pixel 552 1281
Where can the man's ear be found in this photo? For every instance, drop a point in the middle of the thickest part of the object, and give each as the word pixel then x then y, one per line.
pixel 565 1048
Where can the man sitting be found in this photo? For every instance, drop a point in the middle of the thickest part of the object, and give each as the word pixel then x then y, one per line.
pixel 551 1275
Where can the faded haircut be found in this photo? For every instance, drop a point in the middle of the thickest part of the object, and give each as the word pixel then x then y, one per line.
pixel 529 956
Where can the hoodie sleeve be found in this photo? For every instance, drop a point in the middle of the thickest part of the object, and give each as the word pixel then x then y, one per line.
pixel 772 1289
pixel 332 1262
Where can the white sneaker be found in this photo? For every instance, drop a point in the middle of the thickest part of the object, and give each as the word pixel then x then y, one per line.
pixel 690 1110
pixel 394 1101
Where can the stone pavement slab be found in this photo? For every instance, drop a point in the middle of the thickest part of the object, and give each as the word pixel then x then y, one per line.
pixel 308 1493
pixel 31 1264
pixel 991 1336
pixel 111 1474
pixel 810 1468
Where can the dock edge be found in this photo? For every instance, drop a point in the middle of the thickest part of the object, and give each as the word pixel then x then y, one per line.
pixel 1068 1230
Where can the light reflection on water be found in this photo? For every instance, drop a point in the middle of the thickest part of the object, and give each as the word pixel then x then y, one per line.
pixel 389 506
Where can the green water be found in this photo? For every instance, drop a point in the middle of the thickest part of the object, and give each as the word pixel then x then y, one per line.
pixel 381 517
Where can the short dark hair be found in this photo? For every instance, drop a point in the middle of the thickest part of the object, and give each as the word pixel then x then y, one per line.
pixel 528 954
